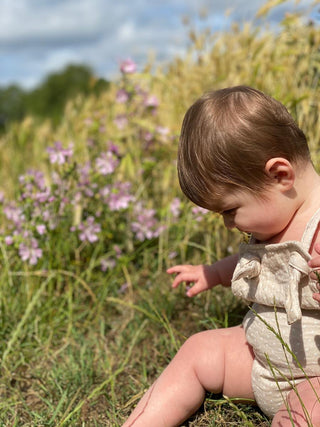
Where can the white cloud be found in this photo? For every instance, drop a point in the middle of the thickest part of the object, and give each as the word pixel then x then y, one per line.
pixel 41 36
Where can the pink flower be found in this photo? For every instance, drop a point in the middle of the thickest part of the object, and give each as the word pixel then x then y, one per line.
pixel 107 264
pixel 41 229
pixel 151 101
pixel 175 207
pixel 89 230
pixel 58 154
pixel 118 196
pixel 8 240
pixel 30 252
pixel 106 163
pixel 199 212
pixel 121 121
pixel 122 96
pixel 128 66
pixel 146 225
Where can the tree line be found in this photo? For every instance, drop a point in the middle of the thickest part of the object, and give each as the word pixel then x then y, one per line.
pixel 49 98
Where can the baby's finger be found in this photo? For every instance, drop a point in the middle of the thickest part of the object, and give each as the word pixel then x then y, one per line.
pixel 177 269
pixel 314 262
pixel 182 277
pixel 193 291
pixel 316 296
pixel 317 247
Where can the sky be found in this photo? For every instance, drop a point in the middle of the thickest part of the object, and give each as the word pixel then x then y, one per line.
pixel 38 37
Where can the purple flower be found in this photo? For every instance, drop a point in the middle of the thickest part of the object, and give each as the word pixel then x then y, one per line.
pixel 122 96
pixel 89 230
pixel 41 229
pixel 121 121
pixel 107 264
pixel 30 252
pixel 106 163
pixel 151 101
pixel 199 212
pixel 14 214
pixel 113 148
pixel 172 254
pixel 58 154
pixel 128 66
pixel 118 196
pixel 8 240
pixel 146 225
pixel 123 288
pixel 175 207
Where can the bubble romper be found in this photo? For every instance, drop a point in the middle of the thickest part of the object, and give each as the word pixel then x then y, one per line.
pixel 283 324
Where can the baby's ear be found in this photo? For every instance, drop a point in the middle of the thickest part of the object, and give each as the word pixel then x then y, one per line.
pixel 281 172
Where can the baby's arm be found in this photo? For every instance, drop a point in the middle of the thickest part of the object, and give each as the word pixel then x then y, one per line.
pixel 204 277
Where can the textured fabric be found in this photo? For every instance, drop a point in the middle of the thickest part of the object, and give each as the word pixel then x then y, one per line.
pixel 283 325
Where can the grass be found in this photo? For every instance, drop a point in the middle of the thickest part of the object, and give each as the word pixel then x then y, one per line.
pixel 85 362
pixel 77 347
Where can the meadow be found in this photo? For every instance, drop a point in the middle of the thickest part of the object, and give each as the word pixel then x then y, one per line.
pixel 92 216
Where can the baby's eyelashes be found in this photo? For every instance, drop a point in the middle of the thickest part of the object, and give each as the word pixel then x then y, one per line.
pixel 229 211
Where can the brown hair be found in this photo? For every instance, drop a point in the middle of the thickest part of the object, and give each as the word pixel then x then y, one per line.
pixel 227 137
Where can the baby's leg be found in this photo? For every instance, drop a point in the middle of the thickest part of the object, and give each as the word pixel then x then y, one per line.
pixel 218 360
pixel 309 392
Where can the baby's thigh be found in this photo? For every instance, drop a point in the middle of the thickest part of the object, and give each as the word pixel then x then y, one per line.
pixel 224 361
pixel 303 405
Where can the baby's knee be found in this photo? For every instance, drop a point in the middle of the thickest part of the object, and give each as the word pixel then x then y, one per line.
pixel 200 345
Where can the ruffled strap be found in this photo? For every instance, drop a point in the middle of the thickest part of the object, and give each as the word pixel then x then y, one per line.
pixel 300 268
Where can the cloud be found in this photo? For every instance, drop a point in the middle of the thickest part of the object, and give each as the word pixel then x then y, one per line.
pixel 41 36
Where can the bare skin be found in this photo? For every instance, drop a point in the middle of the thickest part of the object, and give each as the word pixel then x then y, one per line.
pixel 207 361
pixel 221 360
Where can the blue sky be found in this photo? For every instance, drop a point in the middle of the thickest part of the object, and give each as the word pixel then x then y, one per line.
pixel 38 37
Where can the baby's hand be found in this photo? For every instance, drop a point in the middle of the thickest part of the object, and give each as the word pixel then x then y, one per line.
pixel 314 263
pixel 200 275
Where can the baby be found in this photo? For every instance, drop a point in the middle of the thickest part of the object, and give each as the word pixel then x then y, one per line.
pixel 242 155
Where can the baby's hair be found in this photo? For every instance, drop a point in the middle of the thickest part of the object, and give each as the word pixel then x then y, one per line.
pixel 227 137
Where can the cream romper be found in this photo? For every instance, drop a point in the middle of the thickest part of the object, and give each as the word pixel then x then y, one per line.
pixel 283 324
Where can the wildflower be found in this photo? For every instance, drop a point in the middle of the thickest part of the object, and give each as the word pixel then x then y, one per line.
pixel 107 264
pixel 106 163
pixel 14 214
pixel 199 212
pixel 172 254
pixel 118 196
pixel 117 250
pixel 164 131
pixel 30 252
pixel 151 101
pixel 146 225
pixel 148 136
pixel 89 230
pixel 41 229
pixel 122 96
pixel 123 288
pixel 121 121
pixel 8 240
pixel 128 66
pixel 175 207
pixel 113 148
pixel 58 154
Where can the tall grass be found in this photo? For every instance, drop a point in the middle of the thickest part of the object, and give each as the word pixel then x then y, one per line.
pixel 87 316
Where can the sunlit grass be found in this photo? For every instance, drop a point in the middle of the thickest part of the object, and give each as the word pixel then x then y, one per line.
pixel 85 330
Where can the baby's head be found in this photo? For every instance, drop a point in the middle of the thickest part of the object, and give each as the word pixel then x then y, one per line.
pixel 228 136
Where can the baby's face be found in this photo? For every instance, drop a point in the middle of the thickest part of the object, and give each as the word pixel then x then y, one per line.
pixel 264 216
